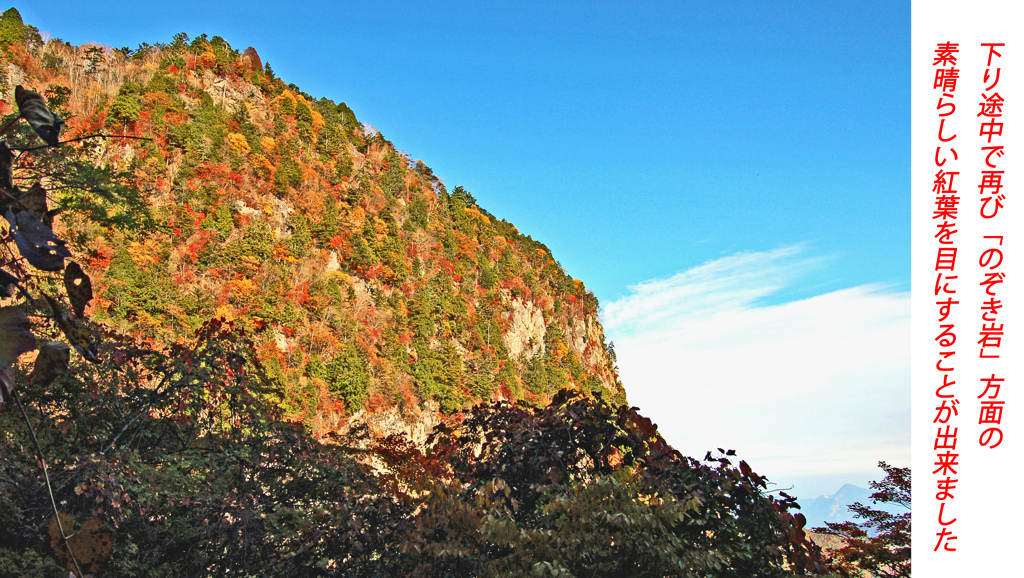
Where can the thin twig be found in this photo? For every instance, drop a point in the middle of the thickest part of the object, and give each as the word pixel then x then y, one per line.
pixel 46 146
pixel 24 293
pixel 46 476
pixel 154 397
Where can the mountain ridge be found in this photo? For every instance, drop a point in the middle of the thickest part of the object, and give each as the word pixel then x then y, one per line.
pixel 257 278
pixel 371 284
pixel 835 507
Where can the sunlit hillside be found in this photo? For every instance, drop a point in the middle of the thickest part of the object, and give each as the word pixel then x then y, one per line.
pixel 365 281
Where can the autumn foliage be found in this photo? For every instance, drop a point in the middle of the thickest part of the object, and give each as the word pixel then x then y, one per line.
pixel 283 213
pixel 205 273
pixel 880 543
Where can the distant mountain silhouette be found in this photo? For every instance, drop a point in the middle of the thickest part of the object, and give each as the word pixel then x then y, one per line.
pixel 835 507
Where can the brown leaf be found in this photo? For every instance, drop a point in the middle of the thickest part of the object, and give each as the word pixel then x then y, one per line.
pixel 34 202
pixel 36 242
pixel 797 536
pixel 32 107
pixel 79 288
pixel 6 384
pixel 67 523
pixel 6 175
pixel 91 544
pixel 78 336
pixel 7 284
pixel 15 335
pixel 51 363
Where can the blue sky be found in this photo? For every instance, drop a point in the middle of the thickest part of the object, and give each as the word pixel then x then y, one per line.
pixel 766 144
pixel 680 133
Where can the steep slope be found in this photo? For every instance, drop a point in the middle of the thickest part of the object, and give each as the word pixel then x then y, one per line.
pixel 364 281
pixel 328 276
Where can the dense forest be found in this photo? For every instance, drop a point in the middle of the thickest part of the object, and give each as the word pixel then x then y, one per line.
pixel 241 333
pixel 365 281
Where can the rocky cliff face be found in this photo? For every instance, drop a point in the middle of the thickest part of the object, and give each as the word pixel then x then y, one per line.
pixel 372 291
pixel 525 335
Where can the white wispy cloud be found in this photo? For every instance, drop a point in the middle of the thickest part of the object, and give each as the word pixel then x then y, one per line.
pixel 811 388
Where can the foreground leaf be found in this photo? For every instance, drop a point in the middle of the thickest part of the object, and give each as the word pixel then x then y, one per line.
pixel 79 288
pixel 51 363
pixel 36 242
pixel 91 544
pixel 34 201
pixel 6 175
pixel 78 336
pixel 15 335
pixel 7 284
pixel 6 384
pixel 32 107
